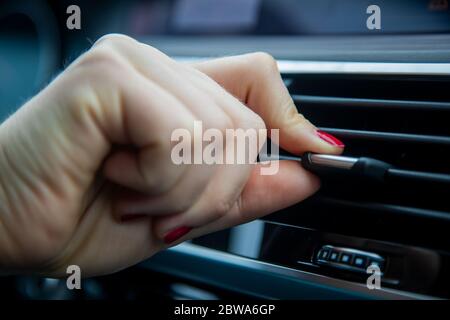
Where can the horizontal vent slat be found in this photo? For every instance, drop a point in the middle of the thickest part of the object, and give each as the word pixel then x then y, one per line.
pixel 389 136
pixel 370 103
pixel 419 177
pixel 384 207
pixel 369 219
pixel 401 120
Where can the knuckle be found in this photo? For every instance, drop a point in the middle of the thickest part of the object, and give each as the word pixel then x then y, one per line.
pixel 101 67
pixel 290 111
pixel 257 122
pixel 157 175
pixel 222 123
pixel 264 62
pixel 222 207
pixel 115 40
pixel 252 120
pixel 124 44
pixel 101 60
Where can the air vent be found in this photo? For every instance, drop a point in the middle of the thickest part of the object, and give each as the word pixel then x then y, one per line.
pixel 402 119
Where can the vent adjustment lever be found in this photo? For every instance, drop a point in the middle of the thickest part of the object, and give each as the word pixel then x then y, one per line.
pixel 366 168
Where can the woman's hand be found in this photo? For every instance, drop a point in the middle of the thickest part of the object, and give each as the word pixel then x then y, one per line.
pixel 86 175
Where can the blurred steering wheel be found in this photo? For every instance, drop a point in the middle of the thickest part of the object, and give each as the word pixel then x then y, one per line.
pixel 26 66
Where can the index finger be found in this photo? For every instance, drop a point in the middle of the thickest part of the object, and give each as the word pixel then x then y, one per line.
pixel 255 80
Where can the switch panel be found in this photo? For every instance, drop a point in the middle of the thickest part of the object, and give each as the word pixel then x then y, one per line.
pixel 348 258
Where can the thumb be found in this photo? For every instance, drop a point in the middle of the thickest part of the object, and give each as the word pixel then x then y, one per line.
pixel 255 80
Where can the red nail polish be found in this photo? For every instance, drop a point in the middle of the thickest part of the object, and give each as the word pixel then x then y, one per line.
pixel 330 139
pixel 176 234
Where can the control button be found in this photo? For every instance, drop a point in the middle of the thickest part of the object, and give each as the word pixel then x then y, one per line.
pixel 359 262
pixel 346 258
pixel 334 256
pixel 323 254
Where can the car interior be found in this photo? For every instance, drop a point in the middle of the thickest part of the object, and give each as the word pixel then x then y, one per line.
pixel 384 92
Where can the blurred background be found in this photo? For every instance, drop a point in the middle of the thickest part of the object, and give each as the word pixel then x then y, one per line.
pixel 398 112
pixel 35 42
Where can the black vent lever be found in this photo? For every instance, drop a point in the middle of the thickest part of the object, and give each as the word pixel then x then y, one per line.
pixel 362 168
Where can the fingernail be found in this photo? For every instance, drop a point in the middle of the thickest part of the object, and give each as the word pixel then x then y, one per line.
pixel 176 234
pixel 330 139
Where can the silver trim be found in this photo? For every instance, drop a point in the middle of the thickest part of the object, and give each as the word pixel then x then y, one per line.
pixel 258 266
pixel 381 68
pixel 346 67
pixel 333 161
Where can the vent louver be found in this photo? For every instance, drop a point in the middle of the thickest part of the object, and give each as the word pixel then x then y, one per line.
pixel 400 119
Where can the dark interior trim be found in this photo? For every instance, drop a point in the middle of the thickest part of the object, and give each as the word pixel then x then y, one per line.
pixel 245 275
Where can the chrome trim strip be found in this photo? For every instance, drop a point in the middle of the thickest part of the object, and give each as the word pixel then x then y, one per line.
pixel 210 255
pixel 333 161
pixel 345 67
pixel 373 68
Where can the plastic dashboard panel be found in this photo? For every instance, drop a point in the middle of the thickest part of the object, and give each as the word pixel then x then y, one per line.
pixel 260 279
pixel 266 259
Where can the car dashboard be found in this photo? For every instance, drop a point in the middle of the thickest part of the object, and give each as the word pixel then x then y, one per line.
pixel 386 93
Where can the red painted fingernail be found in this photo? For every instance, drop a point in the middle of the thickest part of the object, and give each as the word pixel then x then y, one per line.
pixel 176 234
pixel 330 139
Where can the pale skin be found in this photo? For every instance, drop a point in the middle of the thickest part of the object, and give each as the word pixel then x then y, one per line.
pixel 86 176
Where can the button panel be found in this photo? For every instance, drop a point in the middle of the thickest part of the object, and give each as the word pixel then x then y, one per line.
pixel 348 259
